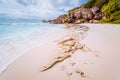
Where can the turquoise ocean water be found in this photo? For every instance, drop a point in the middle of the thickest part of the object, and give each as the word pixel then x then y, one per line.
pixel 17 38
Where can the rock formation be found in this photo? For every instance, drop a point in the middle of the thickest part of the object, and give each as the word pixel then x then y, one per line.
pixel 94 11
pixel 79 15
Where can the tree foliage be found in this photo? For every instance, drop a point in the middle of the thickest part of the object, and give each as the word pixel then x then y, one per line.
pixel 95 3
pixel 112 11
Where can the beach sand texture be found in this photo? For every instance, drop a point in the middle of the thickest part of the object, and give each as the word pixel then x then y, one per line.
pixel 96 57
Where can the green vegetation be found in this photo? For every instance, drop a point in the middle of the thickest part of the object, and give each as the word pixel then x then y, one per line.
pixel 89 4
pixel 114 18
pixel 110 8
pixel 76 10
pixel 95 3
pixel 82 20
pixel 70 12
pixel 112 11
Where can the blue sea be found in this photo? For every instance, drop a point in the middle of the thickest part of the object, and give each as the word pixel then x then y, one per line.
pixel 18 37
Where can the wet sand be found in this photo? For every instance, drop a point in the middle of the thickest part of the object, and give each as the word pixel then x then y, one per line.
pixel 100 60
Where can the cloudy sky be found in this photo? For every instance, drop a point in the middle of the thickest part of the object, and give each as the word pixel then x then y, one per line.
pixel 31 9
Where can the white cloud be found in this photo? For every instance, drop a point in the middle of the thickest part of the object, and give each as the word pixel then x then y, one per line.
pixel 36 8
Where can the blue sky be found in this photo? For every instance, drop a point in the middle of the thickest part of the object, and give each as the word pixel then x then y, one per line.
pixel 36 9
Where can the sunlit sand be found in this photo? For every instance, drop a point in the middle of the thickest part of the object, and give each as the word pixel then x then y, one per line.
pixel 99 60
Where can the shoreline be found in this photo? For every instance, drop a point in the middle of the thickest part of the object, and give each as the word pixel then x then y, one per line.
pixel 14 49
pixel 29 64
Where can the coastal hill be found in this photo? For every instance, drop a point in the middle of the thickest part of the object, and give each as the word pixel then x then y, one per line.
pixel 94 11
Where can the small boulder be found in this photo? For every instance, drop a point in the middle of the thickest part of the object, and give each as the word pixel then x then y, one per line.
pixel 95 10
pixel 95 21
pixel 78 22
pixel 91 21
pixel 98 16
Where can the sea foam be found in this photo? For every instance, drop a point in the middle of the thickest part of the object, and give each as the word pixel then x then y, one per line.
pixel 17 38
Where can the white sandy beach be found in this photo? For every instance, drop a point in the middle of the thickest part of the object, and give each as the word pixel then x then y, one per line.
pixel 101 60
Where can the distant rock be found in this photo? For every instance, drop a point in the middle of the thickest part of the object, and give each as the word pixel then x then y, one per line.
pixel 44 21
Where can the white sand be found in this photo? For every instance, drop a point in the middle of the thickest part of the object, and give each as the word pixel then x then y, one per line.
pixel 102 62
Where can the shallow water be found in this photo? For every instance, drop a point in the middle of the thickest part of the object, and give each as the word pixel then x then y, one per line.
pixel 17 38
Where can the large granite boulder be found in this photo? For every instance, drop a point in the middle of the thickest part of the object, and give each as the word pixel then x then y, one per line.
pixel 87 14
pixel 82 13
pixel 78 14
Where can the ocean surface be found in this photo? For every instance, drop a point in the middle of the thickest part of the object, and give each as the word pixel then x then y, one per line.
pixel 17 38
